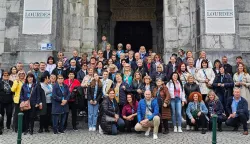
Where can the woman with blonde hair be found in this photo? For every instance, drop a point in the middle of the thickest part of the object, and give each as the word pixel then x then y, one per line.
pixel 242 80
pixel 215 107
pixel 137 85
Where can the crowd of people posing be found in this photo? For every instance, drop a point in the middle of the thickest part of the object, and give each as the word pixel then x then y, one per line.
pixel 123 91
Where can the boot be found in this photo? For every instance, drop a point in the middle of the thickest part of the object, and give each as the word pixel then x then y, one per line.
pixel 220 127
pixel 160 128
pixel 165 124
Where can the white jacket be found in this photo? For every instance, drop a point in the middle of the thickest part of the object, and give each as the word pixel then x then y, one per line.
pixel 201 77
pixel 170 87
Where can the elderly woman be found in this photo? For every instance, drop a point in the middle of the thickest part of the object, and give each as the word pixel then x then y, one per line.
pixel 129 112
pixel 147 85
pixel 112 69
pixel 159 74
pixel 215 108
pixel 141 68
pixel 137 85
pixel 242 80
pixel 163 97
pixel 109 115
pixel 127 75
pixel 197 111
pixel 205 76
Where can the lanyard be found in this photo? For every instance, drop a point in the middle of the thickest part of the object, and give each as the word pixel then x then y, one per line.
pixel 62 89
pixel 221 78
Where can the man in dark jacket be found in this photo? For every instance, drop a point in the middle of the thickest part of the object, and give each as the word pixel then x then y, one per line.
pixel 108 52
pixel 83 72
pixel 237 107
pixel 73 67
pixel 147 115
pixel 171 67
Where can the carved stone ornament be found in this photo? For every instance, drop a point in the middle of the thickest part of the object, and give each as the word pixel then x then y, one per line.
pixel 133 10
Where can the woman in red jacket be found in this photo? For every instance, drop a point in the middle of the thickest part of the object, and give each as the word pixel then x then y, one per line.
pixel 72 83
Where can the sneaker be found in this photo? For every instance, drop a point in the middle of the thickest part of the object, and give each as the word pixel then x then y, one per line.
pixel 248 121
pixel 75 129
pixel 55 133
pixel 203 131
pixel 147 132
pixel 175 128
pixel 90 129
pixel 100 130
pixel 179 130
pixel 93 129
pixel 155 136
pixel 188 128
pixel 183 120
pixel 61 131
pixel 192 128
pixel 245 133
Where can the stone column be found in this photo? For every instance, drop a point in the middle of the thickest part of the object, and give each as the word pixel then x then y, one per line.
pixel 154 34
pixel 176 26
pixel 2 24
pixel 89 26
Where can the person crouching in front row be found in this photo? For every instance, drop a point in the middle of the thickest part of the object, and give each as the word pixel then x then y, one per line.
pixel 237 107
pixel 197 111
pixel 147 115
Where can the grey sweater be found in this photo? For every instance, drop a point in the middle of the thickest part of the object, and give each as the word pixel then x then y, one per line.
pixel 48 92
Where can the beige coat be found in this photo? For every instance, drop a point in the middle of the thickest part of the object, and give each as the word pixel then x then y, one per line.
pixel 200 77
pixel 244 90
pixel 108 86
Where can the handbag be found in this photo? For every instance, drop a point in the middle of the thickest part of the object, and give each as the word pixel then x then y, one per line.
pixel 25 105
pixel 109 118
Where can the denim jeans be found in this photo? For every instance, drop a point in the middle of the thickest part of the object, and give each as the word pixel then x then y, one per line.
pixel 176 111
pixel 55 118
pixel 119 125
pixel 92 114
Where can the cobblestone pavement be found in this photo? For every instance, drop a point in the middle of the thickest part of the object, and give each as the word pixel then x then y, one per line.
pixel 84 137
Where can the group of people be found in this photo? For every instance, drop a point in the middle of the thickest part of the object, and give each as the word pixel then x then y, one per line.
pixel 122 90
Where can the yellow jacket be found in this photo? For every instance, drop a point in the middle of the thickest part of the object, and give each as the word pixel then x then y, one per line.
pixel 16 88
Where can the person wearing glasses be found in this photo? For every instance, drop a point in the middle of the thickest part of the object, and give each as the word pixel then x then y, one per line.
pixel 108 52
pixel 100 56
pixel 6 100
pixel 73 67
pixel 59 69
pixel 60 107
pixel 16 88
pixel 159 74
pixel 110 121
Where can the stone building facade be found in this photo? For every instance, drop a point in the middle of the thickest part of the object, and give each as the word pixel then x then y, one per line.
pixel 163 25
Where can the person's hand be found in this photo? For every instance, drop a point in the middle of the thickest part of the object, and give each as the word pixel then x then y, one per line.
pixel 145 123
pixel 139 91
pixel 40 106
pixel 193 121
pixel 243 83
pixel 237 83
pixel 206 80
pixel 37 105
pixel 95 102
pixel 219 84
pixel 165 105
pixel 199 113
pixel 222 85
pixel 129 118
pixel 234 115
pixel 91 101
pixel 183 103
pixel 116 116
pixel 123 87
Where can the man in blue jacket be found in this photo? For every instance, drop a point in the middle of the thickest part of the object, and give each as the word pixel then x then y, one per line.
pixel 147 114
pixel 237 107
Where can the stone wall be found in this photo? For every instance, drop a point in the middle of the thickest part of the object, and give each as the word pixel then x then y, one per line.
pixel 79 25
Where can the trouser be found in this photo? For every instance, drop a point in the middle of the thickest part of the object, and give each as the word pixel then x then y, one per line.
pixel 220 119
pixel 55 119
pixel 155 123
pixel 204 97
pixel 188 121
pixel 92 114
pixel 72 107
pixel 118 126
pixel 176 111
pixel 15 119
pixel 6 108
pixel 200 121
pixel 45 120
pixel 240 119
pixel 222 99
pixel 28 118
pixel 130 124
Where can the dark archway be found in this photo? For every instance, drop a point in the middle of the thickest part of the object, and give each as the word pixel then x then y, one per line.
pixel 137 33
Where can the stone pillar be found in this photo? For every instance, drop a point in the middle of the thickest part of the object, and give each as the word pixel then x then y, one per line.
pixel 89 26
pixel 159 28
pixel 2 24
pixel 154 34
pixel 177 26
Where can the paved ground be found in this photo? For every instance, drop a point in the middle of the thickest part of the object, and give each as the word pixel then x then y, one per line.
pixel 85 137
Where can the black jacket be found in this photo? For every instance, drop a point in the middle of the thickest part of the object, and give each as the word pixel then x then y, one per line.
pixel 135 86
pixel 228 85
pixel 40 93
pixel 57 71
pixel 107 109
pixel 76 69
pixel 91 91
pixel 160 75
pixel 6 97
pixel 81 75
pixel 219 110
pixel 109 54
pixel 170 70
pixel 189 88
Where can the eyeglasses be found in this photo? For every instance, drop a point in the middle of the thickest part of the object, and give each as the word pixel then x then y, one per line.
pixel 100 53
pixel 60 78
pixel 111 93
pixel 5 75
pixel 158 67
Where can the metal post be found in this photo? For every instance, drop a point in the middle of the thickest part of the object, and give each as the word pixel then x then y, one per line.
pixel 214 129
pixel 20 127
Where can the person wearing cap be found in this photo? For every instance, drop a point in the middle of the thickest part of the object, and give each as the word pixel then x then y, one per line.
pixel 16 88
